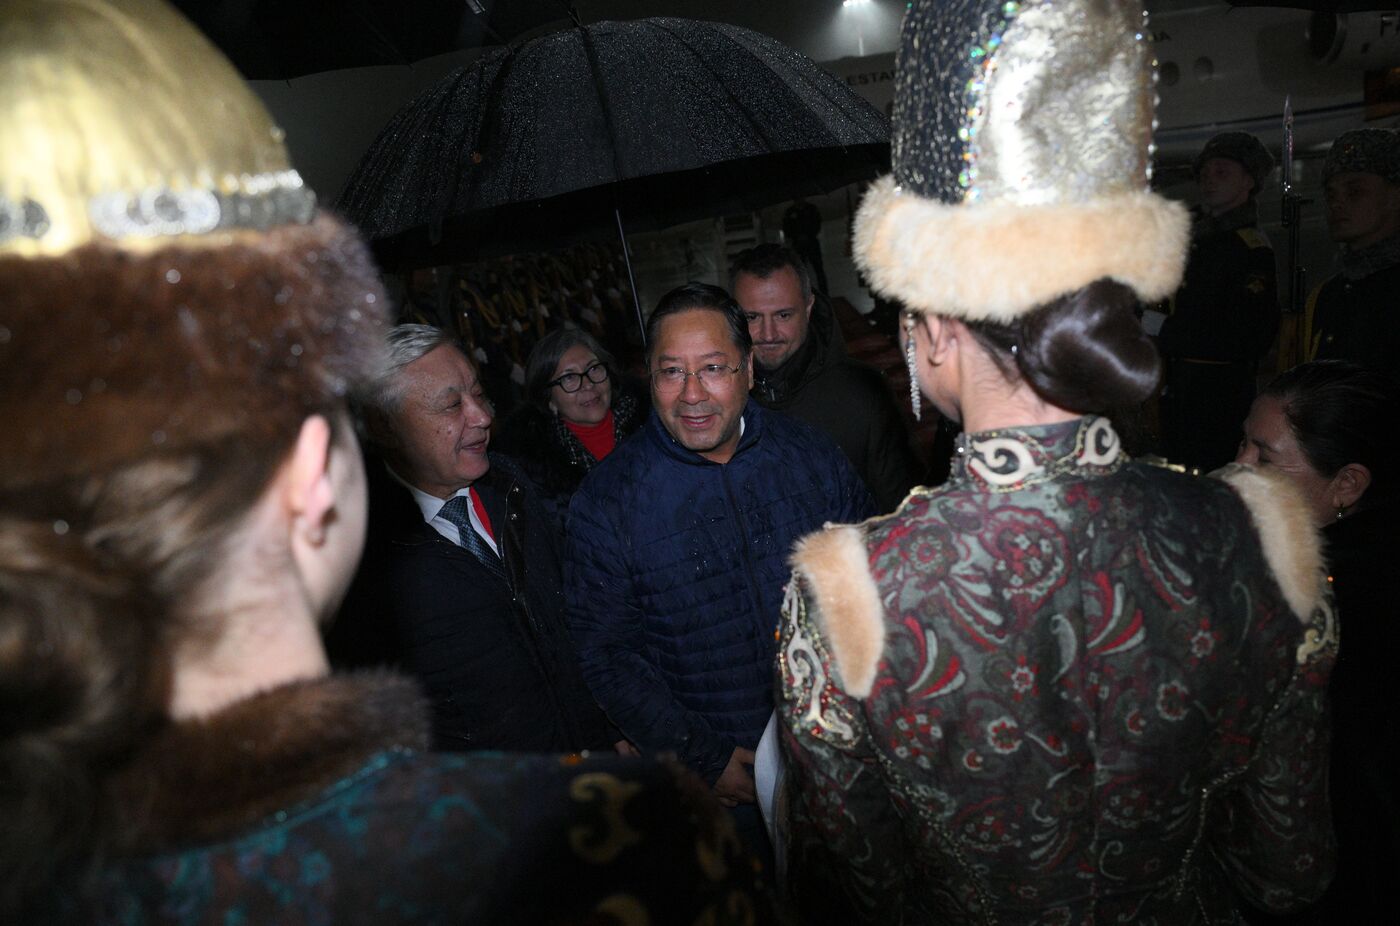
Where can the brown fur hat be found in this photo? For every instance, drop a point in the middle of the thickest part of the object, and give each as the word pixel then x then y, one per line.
pixel 107 357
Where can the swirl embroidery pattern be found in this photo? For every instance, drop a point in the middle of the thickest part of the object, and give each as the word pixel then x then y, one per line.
pixel 807 677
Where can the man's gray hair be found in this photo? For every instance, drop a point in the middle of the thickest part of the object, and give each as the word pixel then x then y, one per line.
pixel 407 343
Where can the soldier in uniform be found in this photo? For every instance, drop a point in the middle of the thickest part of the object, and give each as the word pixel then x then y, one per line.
pixel 1352 316
pixel 1224 316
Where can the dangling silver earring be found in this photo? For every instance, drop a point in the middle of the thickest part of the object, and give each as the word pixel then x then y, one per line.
pixel 1341 512
pixel 916 398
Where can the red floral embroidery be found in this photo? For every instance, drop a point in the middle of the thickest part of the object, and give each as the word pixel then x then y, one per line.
pixel 1203 641
pixel 1023 678
pixel 1079 494
pixel 1004 735
pixel 1029 555
pixel 1172 700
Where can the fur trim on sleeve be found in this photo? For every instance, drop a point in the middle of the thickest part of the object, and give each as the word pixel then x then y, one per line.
pixel 834 564
pixel 1292 546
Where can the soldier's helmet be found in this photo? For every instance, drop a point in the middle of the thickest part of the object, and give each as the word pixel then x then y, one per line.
pixel 1364 151
pixel 1242 148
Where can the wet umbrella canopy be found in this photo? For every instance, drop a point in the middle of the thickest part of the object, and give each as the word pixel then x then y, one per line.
pixel 657 121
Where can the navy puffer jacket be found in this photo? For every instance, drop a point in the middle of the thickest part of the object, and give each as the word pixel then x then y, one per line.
pixel 675 574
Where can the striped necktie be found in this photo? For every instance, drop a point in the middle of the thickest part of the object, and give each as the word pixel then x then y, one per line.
pixel 456 511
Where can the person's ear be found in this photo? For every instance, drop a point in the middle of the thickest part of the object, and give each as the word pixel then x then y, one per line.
pixel 807 309
pixel 1349 484
pixel 939 331
pixel 553 409
pixel 307 494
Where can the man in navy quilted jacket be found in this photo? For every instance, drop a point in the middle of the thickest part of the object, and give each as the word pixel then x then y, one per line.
pixel 678 547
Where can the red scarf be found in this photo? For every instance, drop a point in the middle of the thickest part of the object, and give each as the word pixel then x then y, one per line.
pixel 598 439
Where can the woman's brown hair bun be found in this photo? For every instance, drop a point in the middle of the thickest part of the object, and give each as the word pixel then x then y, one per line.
pixel 1087 352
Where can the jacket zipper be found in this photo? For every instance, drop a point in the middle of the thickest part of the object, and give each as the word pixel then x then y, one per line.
pixel 519 599
pixel 744 539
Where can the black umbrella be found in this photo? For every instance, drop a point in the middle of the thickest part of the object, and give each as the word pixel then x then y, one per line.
pixel 281 39
pixel 656 121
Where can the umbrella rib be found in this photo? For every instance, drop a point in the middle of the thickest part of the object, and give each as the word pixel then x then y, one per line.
pixel 604 104
pixel 445 210
pixel 826 94
pixel 755 125
pixel 807 82
pixel 372 28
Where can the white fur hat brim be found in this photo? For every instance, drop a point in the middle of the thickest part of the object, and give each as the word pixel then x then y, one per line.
pixel 995 261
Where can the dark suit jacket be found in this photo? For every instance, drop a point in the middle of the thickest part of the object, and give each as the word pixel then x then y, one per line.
pixel 496 658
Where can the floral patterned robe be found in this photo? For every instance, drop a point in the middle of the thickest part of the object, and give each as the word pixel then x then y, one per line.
pixel 1065 687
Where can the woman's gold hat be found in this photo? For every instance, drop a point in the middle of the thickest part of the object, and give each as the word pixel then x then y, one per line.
pixel 120 122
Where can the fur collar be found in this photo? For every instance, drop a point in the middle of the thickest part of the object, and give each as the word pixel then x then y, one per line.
pixel 1359 263
pixel 197 781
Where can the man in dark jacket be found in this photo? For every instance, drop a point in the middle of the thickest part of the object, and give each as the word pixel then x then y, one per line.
pixel 801 369
pixel 1225 314
pixel 678 547
pixel 1354 315
pixel 460 582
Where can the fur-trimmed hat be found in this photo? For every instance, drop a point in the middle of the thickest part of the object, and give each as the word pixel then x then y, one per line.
pixel 1242 148
pixel 165 278
pixel 1022 146
pixel 1364 151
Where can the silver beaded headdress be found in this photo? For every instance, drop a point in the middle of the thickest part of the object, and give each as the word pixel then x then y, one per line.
pixel 1022 160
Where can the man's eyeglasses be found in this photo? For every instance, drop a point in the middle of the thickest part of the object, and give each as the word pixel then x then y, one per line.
pixel 711 376
pixel 573 382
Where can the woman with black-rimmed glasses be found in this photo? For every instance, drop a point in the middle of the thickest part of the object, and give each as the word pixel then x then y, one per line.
pixel 576 411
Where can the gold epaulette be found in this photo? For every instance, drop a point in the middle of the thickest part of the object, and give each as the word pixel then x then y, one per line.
pixel 1254 238
pixel 1164 463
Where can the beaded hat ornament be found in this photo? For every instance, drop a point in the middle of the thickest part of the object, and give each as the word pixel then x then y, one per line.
pixel 1022 160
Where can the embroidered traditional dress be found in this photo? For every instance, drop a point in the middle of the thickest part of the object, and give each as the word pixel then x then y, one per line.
pixel 1062 688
